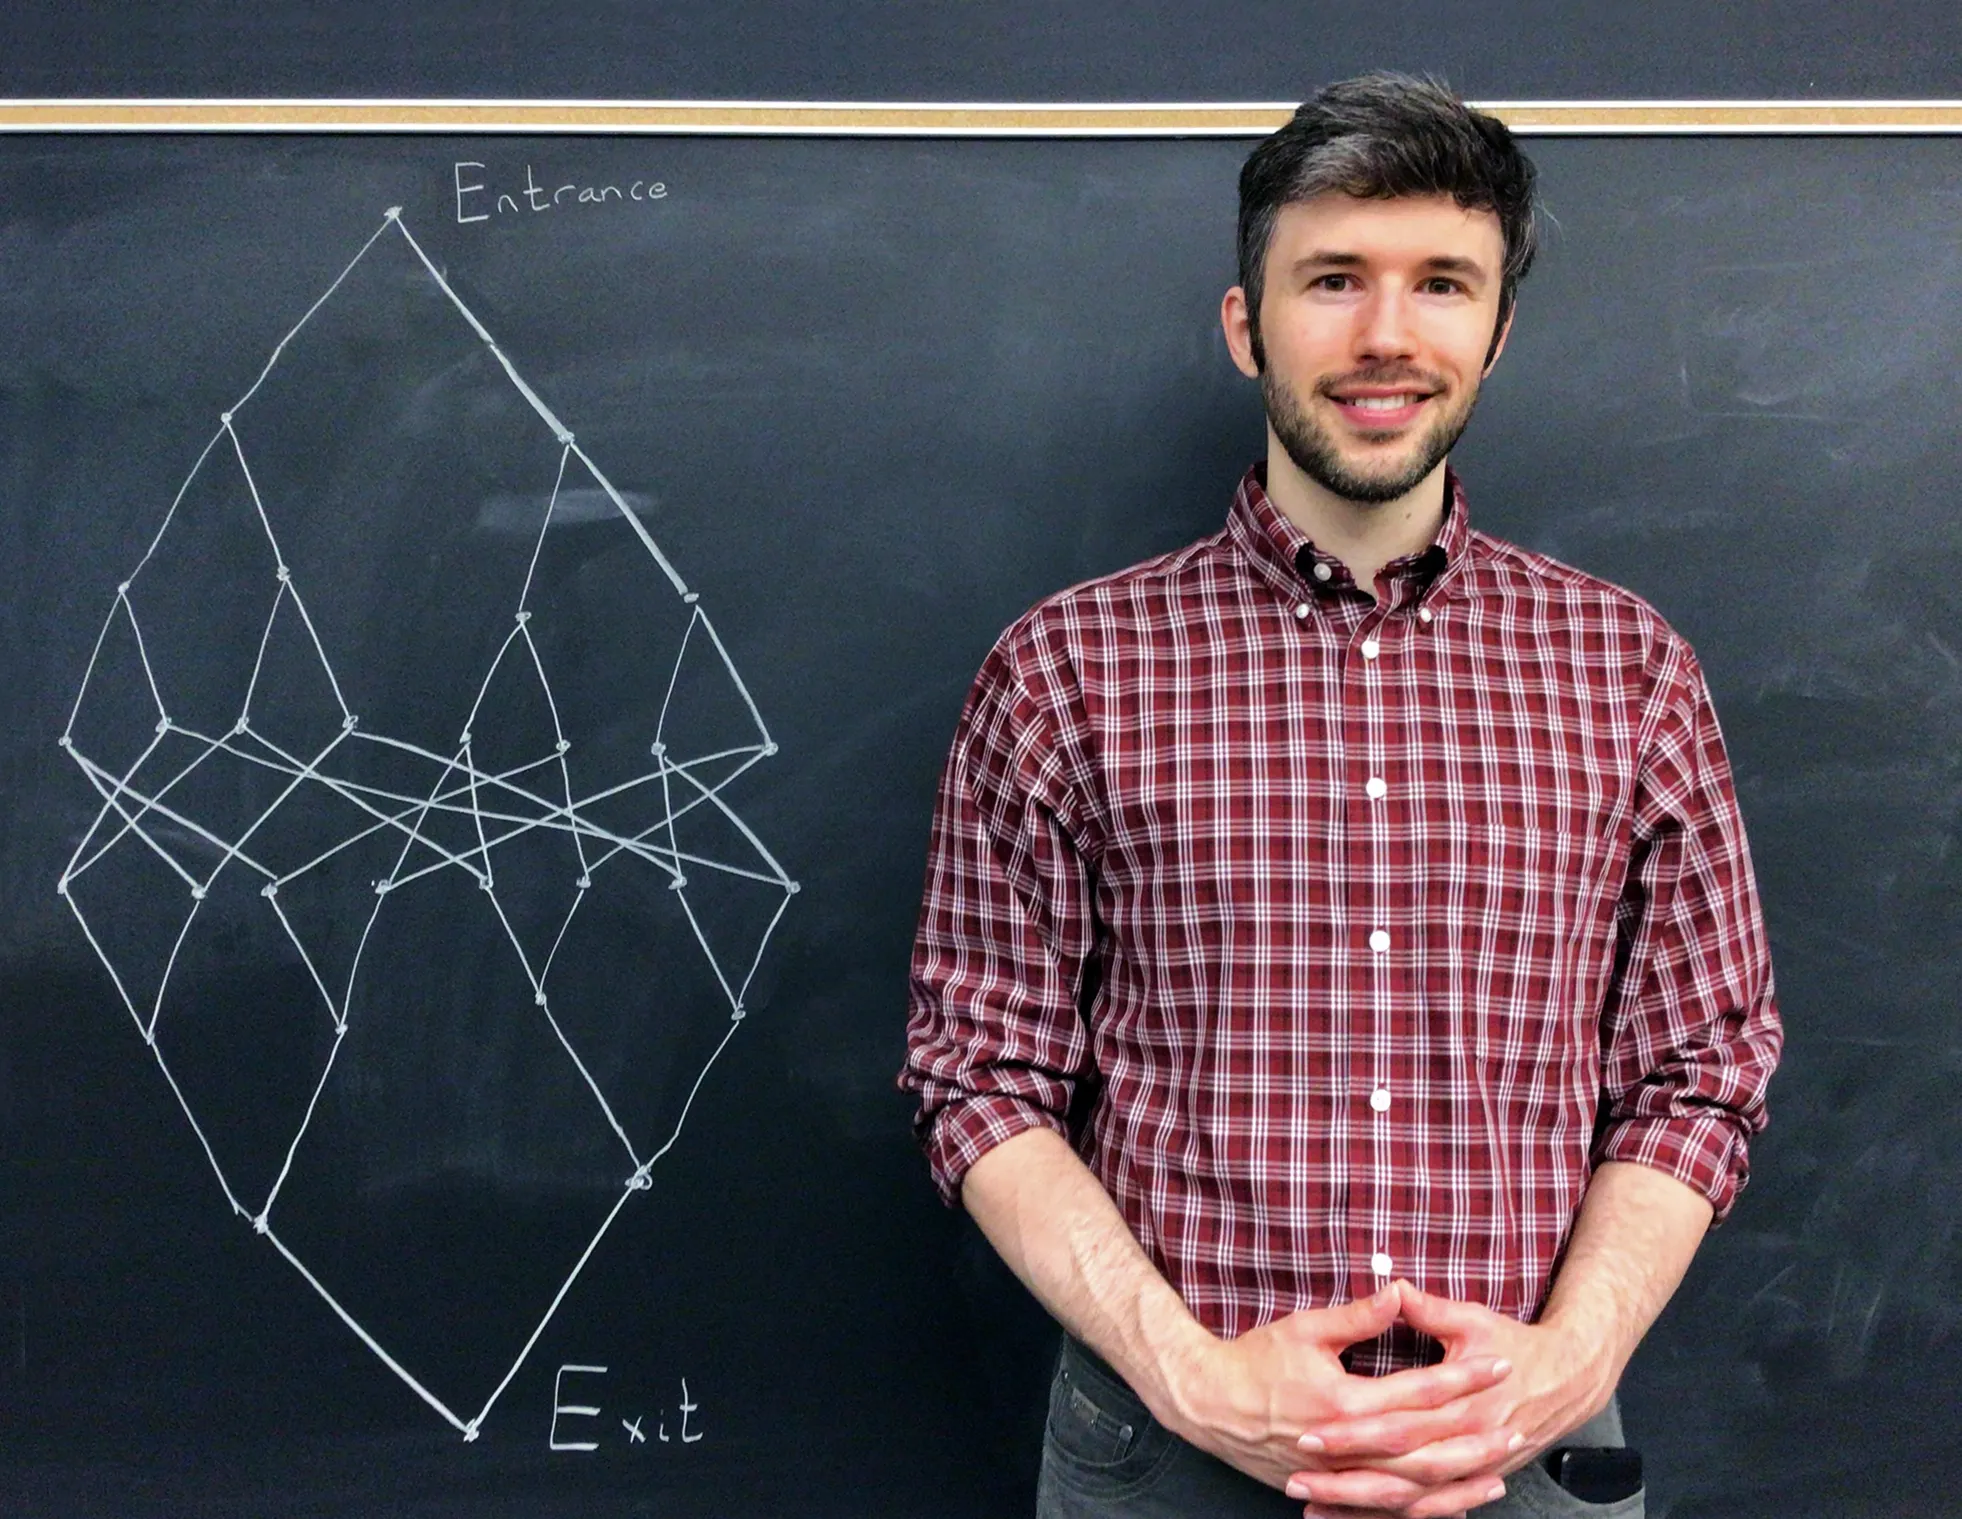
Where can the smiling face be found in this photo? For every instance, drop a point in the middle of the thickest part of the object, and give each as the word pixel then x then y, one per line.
pixel 1376 326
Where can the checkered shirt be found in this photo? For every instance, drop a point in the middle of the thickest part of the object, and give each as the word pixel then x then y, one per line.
pixel 1344 935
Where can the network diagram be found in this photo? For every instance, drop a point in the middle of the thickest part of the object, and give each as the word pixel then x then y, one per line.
pixel 458 814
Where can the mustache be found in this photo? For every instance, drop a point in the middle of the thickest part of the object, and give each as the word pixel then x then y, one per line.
pixel 1381 374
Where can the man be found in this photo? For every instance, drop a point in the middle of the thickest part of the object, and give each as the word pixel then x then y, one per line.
pixel 1341 994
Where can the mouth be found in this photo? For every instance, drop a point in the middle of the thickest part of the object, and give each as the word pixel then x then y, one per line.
pixel 1380 411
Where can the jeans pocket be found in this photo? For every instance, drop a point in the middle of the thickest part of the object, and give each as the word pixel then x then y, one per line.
pixel 1100 1437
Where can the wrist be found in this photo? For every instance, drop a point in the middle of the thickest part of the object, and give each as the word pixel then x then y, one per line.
pixel 1185 1377
pixel 1589 1355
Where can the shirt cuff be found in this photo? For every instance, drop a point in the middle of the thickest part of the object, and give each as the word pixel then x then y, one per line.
pixel 1707 1154
pixel 966 1129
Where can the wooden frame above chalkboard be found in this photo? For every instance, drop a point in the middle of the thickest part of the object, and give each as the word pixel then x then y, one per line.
pixel 1533 118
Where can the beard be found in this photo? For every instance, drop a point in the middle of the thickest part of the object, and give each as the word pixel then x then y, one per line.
pixel 1313 448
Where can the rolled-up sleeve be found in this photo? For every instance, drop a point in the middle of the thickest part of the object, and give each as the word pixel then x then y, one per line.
pixel 995 1037
pixel 1691 1033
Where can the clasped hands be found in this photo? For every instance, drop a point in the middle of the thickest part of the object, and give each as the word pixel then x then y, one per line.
pixel 1426 1443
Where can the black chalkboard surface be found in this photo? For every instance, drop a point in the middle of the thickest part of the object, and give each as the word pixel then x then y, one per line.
pixel 553 566
pixel 965 50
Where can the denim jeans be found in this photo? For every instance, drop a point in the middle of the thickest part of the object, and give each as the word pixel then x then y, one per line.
pixel 1105 1457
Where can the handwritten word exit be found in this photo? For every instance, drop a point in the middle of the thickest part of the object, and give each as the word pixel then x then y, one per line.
pixel 639 1429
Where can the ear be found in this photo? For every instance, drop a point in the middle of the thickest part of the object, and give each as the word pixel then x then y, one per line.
pixel 1499 342
pixel 1236 320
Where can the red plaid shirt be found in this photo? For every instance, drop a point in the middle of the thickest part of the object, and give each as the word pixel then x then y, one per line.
pixel 1346 935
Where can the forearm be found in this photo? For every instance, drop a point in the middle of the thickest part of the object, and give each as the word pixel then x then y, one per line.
pixel 1058 1230
pixel 1637 1230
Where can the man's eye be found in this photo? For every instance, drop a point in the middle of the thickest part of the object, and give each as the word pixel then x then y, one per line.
pixel 1441 286
pixel 1334 281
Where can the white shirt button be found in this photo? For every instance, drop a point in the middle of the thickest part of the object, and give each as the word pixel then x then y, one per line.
pixel 1377 787
pixel 1379 940
pixel 1370 648
pixel 1380 1099
pixel 1323 572
pixel 1381 1264
pixel 1423 614
pixel 1301 609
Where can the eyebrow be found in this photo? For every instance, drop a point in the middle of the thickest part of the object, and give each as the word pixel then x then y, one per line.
pixel 1442 263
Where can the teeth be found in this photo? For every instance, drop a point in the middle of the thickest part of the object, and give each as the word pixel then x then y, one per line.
pixel 1380 403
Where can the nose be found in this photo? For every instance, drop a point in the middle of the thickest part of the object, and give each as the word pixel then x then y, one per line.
pixel 1386 326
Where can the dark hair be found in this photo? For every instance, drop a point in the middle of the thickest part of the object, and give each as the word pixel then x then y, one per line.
pixel 1377 137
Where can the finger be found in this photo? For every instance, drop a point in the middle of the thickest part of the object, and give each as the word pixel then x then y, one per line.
pixel 1361 1489
pixel 1455 1460
pixel 1456 1499
pixel 1442 1318
pixel 1397 1434
pixel 1363 1319
pixel 1419 1387
pixel 1345 1492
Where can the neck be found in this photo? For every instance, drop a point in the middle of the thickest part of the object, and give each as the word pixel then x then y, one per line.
pixel 1364 535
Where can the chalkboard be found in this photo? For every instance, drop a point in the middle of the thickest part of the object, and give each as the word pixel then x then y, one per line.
pixel 720 462
pixel 965 50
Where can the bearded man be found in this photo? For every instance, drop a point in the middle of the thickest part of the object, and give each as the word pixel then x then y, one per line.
pixel 1341 993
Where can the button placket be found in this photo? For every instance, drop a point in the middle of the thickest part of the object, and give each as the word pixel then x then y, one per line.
pixel 1378 935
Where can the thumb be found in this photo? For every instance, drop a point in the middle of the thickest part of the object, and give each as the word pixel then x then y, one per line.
pixel 1442 1318
pixel 1363 1319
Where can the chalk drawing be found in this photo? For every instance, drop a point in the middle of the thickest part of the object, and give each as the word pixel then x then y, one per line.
pixel 138 811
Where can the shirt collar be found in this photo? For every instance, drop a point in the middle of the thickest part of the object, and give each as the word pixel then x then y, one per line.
pixel 1287 559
